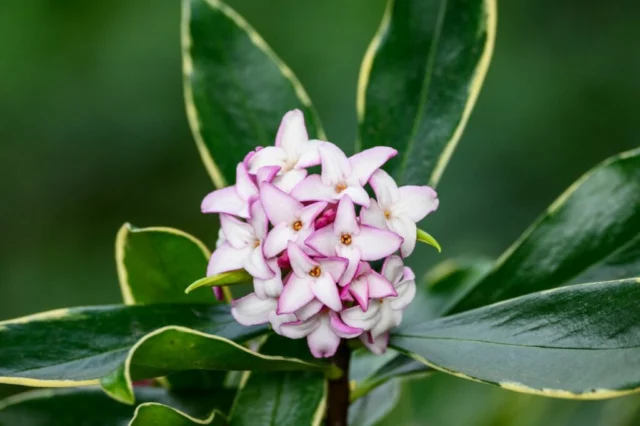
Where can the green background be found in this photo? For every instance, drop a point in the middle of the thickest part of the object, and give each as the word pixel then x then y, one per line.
pixel 93 131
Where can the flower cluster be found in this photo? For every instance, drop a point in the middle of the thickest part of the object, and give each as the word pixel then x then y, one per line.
pixel 311 242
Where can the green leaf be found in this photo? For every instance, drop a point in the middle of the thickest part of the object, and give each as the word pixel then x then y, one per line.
pixel 226 278
pixel 425 237
pixel 623 263
pixel 369 371
pixel 593 221
pixel 370 409
pixel 420 79
pixel 90 406
pixel 172 349
pixel 156 264
pixel 281 398
pixel 154 414
pixel 77 346
pixel 578 342
pixel 236 89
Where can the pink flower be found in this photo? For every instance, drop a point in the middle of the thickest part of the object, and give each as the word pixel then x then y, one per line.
pixel 398 209
pixel 366 284
pixel 291 220
pixel 292 153
pixel 311 279
pixel 243 245
pixel 341 175
pixel 346 238
pixel 234 199
pixel 323 332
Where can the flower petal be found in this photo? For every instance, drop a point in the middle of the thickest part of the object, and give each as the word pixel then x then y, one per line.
pixel 296 294
pixel 388 319
pixel 225 200
pixel 325 290
pixel 417 201
pixel 272 287
pixel 309 310
pixel 309 213
pixel 346 221
pixel 373 216
pixel 375 244
pixel 289 180
pixel 277 320
pixel 237 233
pixel 269 156
pixel 342 329
pixel 226 258
pixel 245 187
pixel 379 286
pixel 308 154
pixel 368 161
pixel 357 194
pixel 386 189
pixel 277 239
pixel 323 341
pixel 266 174
pixel 356 317
pixel 258 220
pixel 279 206
pixel 353 256
pixel 393 269
pixel 251 310
pixel 324 241
pixel 218 293
pixel 335 165
pixel 377 346
pixel 256 265
pixel 292 132
pixel 406 292
pixel 334 266
pixel 313 189
pixel 359 289
pixel 300 262
pixel 300 329
pixel 406 228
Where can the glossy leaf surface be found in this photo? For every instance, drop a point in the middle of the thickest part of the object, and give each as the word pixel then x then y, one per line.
pixel 226 278
pixel 581 341
pixel 72 347
pixel 595 219
pixel 155 265
pixel 90 406
pixel 420 79
pixel 236 89
pixel 281 398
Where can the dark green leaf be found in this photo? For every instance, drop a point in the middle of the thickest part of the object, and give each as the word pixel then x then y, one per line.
pixel 420 79
pixel 592 222
pixel 77 346
pixel 581 341
pixel 226 278
pixel 281 398
pixel 172 349
pixel 155 265
pixel 153 414
pixel 236 89
pixel 623 263
pixel 91 407
pixel 370 409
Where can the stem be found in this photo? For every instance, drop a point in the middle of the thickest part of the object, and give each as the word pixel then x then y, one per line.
pixel 338 399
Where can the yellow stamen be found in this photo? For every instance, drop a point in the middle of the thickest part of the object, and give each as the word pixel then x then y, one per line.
pixel 315 272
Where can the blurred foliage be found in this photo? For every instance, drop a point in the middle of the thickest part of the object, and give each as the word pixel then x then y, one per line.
pixel 93 134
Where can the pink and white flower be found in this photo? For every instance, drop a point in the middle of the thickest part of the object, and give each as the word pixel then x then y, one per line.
pixel 348 239
pixel 341 175
pixel 305 245
pixel 293 152
pixel 398 209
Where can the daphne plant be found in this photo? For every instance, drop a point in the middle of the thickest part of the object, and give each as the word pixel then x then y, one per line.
pixel 320 308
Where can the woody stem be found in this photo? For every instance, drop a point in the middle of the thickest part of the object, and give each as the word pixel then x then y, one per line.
pixel 338 398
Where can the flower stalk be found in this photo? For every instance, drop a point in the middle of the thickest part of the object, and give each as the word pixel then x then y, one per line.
pixel 338 398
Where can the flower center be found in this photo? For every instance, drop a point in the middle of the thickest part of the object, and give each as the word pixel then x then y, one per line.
pixel 315 272
pixel 345 239
pixel 387 214
pixel 256 243
pixel 297 225
pixel 340 187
